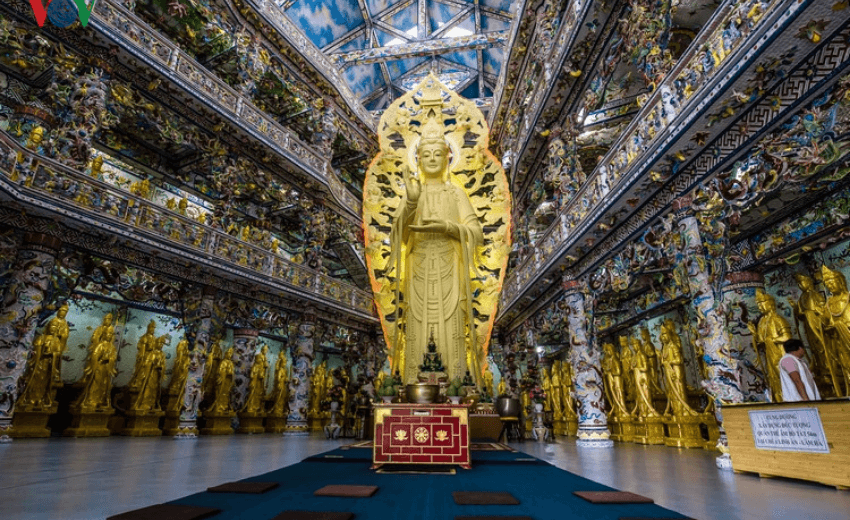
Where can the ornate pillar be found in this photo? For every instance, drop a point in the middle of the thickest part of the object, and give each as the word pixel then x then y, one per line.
pixel 739 299
pixel 22 302
pixel 244 347
pixel 587 373
pixel 200 340
pixel 722 381
pixel 302 372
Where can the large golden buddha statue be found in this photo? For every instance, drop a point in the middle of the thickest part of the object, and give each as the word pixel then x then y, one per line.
pixel 437 220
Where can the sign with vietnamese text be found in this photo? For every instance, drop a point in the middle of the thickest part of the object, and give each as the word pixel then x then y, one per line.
pixel 793 429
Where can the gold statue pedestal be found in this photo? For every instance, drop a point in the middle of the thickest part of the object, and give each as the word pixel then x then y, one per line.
pixel 172 414
pixel 275 424
pixel 559 427
pixel 171 426
pixel 89 424
pixel 251 422
pixel 31 424
pixel 316 423
pixel 217 424
pixel 649 430
pixel 683 432
pixel 572 427
pixel 623 430
pixel 710 421
pixel 142 424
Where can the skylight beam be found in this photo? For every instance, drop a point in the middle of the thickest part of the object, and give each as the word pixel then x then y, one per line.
pixel 424 48
pixel 456 19
pixel 342 40
pixel 422 19
pixel 404 37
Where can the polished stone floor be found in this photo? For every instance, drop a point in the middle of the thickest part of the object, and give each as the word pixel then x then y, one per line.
pixel 88 479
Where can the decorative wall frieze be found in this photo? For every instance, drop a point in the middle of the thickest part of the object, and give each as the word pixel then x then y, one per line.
pixel 124 29
pixel 696 142
pixel 560 97
pixel 47 186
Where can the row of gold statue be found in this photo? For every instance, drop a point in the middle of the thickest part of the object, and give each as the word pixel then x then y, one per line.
pixel 636 375
pixel 826 327
pixel 143 399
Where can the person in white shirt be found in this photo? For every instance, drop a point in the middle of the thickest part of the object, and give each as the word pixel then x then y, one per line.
pixel 798 384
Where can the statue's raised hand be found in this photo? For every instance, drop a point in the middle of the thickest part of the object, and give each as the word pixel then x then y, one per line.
pixel 411 185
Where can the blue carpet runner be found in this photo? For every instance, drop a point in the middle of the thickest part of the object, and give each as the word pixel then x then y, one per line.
pixel 544 491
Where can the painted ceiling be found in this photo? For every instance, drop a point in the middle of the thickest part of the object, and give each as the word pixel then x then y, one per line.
pixel 384 47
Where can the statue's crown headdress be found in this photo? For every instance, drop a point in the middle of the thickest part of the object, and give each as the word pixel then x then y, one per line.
pixel 762 296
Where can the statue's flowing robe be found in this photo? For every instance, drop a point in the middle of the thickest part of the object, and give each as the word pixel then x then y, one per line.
pixel 436 295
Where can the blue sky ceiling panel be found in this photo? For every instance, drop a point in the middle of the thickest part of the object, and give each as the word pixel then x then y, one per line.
pixel 327 22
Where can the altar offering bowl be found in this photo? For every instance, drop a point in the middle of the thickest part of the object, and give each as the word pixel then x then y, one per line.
pixel 508 407
pixel 422 393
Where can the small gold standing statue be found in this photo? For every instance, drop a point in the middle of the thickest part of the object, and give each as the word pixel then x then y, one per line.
pixel 91 411
pixel 568 389
pixel 651 361
pixel 628 374
pixel 252 414
pixel 837 321
pixel 146 343
pixel 808 310
pixel 318 392
pixel 769 335
pixel 153 365
pixel 683 423
pixel 613 373
pixel 276 418
pixel 621 421
pixel 144 411
pixel 43 377
pixel 210 371
pixel 217 418
pixel 556 399
pixel 173 400
pixel 179 375
pixel 649 428
pixel 674 370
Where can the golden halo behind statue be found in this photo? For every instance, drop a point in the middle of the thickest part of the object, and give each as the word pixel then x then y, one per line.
pixel 473 168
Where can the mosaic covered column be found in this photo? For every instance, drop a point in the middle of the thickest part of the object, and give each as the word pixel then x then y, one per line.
pixel 302 372
pixel 199 348
pixel 244 348
pixel 22 302
pixel 587 373
pixel 739 299
pixel 722 379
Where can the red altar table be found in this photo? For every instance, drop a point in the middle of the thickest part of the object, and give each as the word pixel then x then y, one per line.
pixel 421 434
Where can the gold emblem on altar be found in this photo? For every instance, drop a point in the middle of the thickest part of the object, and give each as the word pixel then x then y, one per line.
pixel 441 435
pixel 421 434
pixel 437 221
pixel 401 435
